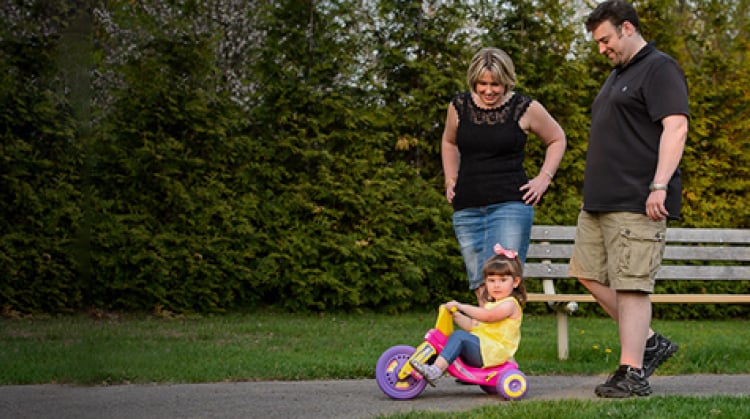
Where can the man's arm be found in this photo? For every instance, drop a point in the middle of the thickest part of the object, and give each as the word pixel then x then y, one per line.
pixel 671 146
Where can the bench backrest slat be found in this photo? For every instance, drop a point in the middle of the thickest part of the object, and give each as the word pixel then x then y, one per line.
pixel 704 272
pixel 708 235
pixel 560 270
pixel 726 253
pixel 734 254
pixel 555 233
pixel 545 270
pixel 674 235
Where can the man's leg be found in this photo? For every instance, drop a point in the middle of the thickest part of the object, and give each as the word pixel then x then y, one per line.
pixel 607 299
pixel 604 295
pixel 634 312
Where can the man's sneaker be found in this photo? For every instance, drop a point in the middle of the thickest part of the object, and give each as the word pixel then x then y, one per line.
pixel 658 350
pixel 430 373
pixel 625 382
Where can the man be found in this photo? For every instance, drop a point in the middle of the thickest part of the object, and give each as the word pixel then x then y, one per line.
pixel 632 185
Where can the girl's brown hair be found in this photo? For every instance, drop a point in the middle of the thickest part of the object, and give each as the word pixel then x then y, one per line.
pixel 503 265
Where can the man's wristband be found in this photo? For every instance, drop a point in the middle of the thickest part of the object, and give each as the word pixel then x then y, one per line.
pixel 657 187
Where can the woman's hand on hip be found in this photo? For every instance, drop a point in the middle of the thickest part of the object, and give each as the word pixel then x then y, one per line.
pixel 534 189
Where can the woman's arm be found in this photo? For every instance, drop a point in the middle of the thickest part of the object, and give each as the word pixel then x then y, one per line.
pixel 538 121
pixel 449 152
pixel 544 126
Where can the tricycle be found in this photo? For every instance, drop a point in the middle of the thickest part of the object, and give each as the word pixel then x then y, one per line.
pixel 399 380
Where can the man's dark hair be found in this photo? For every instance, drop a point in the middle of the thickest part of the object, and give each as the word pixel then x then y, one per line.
pixel 616 12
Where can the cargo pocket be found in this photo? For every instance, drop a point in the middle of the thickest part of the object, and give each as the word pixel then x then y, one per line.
pixel 641 252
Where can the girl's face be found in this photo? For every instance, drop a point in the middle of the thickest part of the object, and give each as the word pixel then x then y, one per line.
pixel 501 286
pixel 489 90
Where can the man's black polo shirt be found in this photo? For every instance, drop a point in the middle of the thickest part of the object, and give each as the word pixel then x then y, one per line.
pixel 625 133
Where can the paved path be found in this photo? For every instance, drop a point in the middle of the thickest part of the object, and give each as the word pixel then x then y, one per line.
pixel 307 399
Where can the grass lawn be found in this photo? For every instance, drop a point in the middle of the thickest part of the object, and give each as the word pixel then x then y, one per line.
pixel 145 349
pixel 650 407
pixel 117 349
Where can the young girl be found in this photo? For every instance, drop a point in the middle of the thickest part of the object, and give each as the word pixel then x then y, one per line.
pixel 491 333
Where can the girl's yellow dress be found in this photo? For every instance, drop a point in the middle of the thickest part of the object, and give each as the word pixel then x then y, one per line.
pixel 498 341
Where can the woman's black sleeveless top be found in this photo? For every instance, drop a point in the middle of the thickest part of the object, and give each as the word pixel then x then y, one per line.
pixel 492 147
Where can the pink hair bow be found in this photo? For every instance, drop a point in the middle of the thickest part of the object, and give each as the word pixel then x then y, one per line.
pixel 510 254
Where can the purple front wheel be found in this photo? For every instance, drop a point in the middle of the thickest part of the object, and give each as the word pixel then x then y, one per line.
pixel 386 374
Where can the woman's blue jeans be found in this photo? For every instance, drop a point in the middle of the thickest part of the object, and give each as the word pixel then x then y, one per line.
pixel 464 344
pixel 478 229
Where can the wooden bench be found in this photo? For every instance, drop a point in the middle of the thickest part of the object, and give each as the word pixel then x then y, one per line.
pixel 551 248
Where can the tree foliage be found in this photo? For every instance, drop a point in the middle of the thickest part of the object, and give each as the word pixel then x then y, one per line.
pixel 346 224
pixel 208 156
pixel 40 170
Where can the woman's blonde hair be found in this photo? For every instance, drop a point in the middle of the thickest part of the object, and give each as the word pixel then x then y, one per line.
pixel 497 62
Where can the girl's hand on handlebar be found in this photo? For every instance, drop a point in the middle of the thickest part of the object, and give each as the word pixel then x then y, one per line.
pixel 452 306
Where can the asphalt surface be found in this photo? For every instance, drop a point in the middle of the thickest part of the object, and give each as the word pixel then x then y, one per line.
pixel 309 399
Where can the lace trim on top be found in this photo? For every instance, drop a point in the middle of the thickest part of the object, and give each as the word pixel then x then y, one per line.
pixel 510 110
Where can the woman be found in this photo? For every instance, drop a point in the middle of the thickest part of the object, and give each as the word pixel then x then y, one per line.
pixel 483 145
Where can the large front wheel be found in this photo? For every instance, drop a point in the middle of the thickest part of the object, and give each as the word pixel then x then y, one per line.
pixel 386 374
pixel 512 385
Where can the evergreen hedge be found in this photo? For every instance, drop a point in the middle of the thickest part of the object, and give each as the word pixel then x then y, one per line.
pixel 226 155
